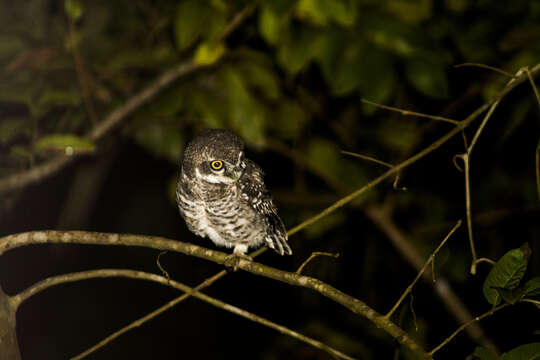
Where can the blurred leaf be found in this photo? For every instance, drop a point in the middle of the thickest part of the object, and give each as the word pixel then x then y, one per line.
pixel 247 115
pixel 13 127
pixel 427 77
pixel 391 35
pixel 187 24
pixel 55 97
pixel 483 354
pixel 289 120
pixel 73 9
pixel 410 11
pixel 196 18
pixel 161 139
pixel 523 352
pixel 506 273
pixel 208 53
pixel 10 46
pixel 124 58
pixel 327 223
pixel 299 47
pixel 271 23
pixel 532 287
pixel 320 12
pixel 64 142
pixel 325 158
pixel 260 74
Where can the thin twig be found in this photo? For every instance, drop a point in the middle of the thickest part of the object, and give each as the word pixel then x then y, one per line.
pixel 488 260
pixel 81 237
pixel 466 157
pixel 132 274
pixel 421 272
pixel 383 220
pixel 485 67
pixel 314 255
pixel 410 113
pixel 368 158
pixel 467 324
pixel 384 163
pixel 462 125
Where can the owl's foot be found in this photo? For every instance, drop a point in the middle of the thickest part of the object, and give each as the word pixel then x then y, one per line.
pixel 232 260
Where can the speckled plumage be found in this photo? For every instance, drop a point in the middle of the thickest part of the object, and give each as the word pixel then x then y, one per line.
pixel 232 206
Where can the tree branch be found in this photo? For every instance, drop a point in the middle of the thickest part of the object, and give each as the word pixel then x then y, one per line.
pixel 52 166
pixel 81 237
pixel 132 274
pixel 9 348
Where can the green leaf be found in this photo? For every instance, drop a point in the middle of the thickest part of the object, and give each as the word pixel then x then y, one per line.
pixel 272 24
pixel 506 273
pixel 208 53
pixel 65 142
pixel 289 120
pixel 532 287
pixel 511 296
pixel 428 77
pixel 187 24
pixel 523 352
pixel 199 18
pixel 320 12
pixel 299 47
pixel 161 139
pixel 245 113
pixel 55 97
pixel 258 72
pixel 483 354
pixel 73 9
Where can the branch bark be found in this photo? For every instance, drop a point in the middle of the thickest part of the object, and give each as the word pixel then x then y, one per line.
pixel 9 348
pixel 81 237
pixel 18 299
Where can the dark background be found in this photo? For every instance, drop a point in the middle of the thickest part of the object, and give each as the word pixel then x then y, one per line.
pixel 289 81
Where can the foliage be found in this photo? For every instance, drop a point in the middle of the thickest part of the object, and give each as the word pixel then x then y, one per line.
pixel 290 81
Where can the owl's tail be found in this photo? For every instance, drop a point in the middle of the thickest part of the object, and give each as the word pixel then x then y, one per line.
pixel 276 237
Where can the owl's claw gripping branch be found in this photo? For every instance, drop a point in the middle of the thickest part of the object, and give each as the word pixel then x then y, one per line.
pixel 232 260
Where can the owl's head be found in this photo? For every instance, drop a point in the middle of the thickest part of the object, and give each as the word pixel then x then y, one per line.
pixel 215 156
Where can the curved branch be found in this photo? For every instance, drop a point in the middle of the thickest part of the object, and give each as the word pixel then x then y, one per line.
pixel 159 243
pixel 133 274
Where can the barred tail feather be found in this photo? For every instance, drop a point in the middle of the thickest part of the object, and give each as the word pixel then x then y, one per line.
pixel 276 237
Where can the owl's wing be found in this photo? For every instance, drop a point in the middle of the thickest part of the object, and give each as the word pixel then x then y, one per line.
pixel 258 197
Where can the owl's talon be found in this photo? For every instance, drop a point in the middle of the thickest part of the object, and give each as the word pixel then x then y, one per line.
pixel 231 262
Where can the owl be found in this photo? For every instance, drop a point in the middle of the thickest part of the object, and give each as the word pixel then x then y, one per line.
pixel 221 195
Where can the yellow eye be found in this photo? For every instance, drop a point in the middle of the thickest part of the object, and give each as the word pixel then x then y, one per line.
pixel 216 165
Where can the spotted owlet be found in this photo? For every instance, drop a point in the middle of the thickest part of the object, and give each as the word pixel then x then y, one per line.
pixel 221 195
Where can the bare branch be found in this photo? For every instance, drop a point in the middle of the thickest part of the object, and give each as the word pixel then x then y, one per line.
pixel 132 274
pixel 466 157
pixel 314 255
pixel 9 348
pixel 467 324
pixel 443 289
pixel 410 113
pixel 421 272
pixel 81 237
pixel 501 71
